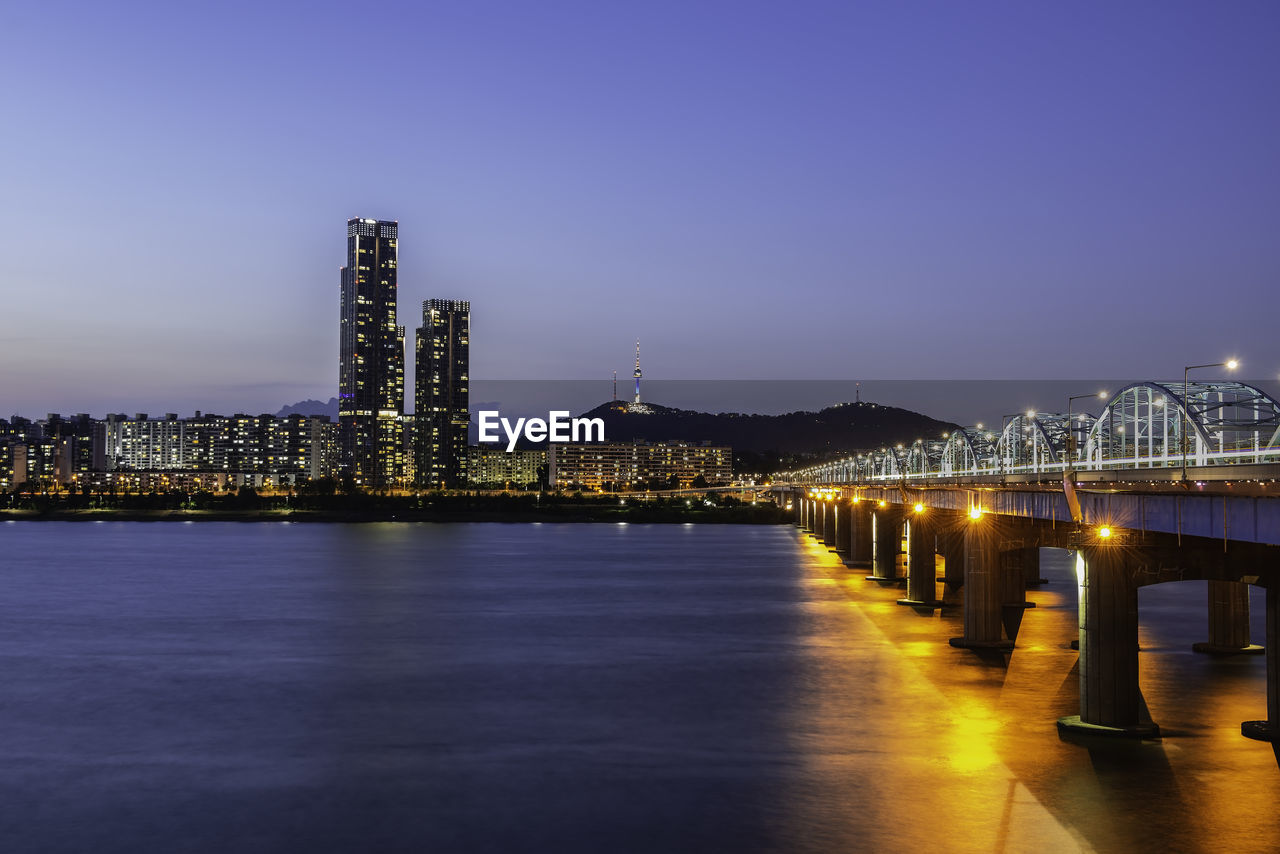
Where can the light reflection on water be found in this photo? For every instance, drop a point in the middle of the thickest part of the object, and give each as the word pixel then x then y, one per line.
pixel 575 688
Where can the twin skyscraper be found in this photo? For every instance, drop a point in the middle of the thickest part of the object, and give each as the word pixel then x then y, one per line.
pixel 379 445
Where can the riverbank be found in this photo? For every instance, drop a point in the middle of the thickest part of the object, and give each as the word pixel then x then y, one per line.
pixel 459 508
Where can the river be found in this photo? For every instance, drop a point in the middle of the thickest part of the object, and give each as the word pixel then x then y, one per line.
pixel 251 687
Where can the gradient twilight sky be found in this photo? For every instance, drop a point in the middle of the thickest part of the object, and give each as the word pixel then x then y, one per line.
pixel 754 190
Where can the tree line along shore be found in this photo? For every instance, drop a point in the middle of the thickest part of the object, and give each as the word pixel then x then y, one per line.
pixel 248 505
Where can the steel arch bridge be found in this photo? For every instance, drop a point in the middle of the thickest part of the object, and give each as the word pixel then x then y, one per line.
pixel 1145 425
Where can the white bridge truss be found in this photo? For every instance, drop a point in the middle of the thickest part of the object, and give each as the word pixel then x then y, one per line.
pixel 1144 425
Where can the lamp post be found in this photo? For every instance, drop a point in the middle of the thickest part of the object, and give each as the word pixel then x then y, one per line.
pixel 1230 365
pixel 1071 428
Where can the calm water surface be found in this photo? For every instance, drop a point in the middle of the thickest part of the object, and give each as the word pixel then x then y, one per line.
pixel 574 688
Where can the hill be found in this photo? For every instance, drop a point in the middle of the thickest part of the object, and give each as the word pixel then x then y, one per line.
pixel 834 430
pixel 311 407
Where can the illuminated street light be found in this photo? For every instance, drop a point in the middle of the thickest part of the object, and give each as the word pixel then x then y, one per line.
pixel 975 512
pixel 919 508
pixel 1071 425
pixel 1230 365
pixel 1104 532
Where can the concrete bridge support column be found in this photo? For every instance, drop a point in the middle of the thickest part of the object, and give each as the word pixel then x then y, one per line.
pixel 1014 557
pixel 1013 560
pixel 1269 730
pixel 1110 700
pixel 806 514
pixel 951 546
pixel 1031 565
pixel 983 594
pixel 797 507
pixel 1228 621
pixel 860 546
pixel 843 517
pixel 829 510
pixel 922 565
pixel 886 542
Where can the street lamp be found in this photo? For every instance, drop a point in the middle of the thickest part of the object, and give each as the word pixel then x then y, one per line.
pixel 1230 365
pixel 1071 429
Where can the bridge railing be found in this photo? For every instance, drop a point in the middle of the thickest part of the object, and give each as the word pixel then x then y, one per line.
pixel 1143 426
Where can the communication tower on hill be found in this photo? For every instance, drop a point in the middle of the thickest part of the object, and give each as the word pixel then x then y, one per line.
pixel 637 373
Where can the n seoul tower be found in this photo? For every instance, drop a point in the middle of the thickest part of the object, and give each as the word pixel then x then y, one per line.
pixel 637 373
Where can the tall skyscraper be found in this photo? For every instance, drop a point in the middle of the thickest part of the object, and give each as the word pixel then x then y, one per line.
pixel 441 393
pixel 371 371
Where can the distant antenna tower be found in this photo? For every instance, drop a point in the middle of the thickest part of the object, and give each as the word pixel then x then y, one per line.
pixel 637 374
pixel 857 392
pixel 615 385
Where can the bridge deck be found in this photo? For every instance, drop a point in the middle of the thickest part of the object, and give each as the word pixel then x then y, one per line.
pixel 1238 503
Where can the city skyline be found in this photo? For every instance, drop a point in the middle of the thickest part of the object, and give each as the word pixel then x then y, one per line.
pixel 1043 192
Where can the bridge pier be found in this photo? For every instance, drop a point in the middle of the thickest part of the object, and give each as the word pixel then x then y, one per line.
pixel 829 509
pixel 922 565
pixel 860 543
pixel 806 514
pixel 951 545
pixel 1228 621
pixel 1014 557
pixel 886 544
pixel 1031 563
pixel 1110 699
pixel 1269 730
pixel 797 509
pixel 843 518
pixel 983 595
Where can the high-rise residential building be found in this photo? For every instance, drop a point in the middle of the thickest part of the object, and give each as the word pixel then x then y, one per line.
pixel 637 465
pixel 286 450
pixel 496 467
pixel 441 394
pixel 371 369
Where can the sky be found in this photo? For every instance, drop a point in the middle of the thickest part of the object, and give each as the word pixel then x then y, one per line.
pixel 800 190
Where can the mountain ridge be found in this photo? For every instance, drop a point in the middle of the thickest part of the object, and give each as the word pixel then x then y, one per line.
pixel 835 429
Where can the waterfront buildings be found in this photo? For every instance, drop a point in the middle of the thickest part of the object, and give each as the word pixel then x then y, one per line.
pixel 259 450
pixel 637 465
pixel 49 450
pixel 495 467
pixel 371 358
pixel 289 449
pixel 441 394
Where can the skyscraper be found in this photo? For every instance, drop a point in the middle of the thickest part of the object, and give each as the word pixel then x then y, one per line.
pixel 371 369
pixel 440 393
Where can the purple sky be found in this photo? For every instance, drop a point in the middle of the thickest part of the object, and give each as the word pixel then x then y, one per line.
pixel 755 190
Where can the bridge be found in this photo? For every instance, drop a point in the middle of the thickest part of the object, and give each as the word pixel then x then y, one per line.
pixel 1171 482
